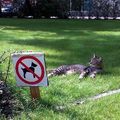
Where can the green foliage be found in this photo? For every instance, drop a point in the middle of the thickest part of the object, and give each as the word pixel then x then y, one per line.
pixel 67 42
pixel 42 8
pixel 48 8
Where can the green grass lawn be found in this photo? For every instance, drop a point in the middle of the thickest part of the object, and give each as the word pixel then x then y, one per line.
pixel 67 42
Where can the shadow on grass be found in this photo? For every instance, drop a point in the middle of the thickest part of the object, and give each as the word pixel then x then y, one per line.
pixel 73 41
pixel 47 24
pixel 78 51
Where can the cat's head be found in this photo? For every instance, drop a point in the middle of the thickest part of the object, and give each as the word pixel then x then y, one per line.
pixel 96 61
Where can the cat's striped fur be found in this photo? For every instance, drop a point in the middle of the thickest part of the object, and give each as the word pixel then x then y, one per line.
pixel 95 66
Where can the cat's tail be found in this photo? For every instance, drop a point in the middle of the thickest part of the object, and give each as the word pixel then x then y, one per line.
pixel 58 71
pixel 50 73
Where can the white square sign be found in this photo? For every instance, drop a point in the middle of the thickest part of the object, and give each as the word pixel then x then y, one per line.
pixel 30 69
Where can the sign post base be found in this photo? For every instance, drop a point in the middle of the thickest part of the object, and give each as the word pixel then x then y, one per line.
pixel 35 92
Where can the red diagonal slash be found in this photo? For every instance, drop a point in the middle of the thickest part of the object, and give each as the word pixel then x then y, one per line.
pixel 30 70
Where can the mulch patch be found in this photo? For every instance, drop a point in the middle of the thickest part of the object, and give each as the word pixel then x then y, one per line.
pixel 9 106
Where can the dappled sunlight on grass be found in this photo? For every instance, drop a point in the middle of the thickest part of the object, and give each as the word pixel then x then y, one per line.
pixel 108 33
pixel 67 42
pixel 24 34
pixel 73 41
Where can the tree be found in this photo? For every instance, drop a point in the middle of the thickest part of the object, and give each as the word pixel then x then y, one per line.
pixel 18 6
pixel 48 8
pixel 116 8
pixel 0 8
pixel 76 5
pixel 27 8
pixel 106 8
pixel 97 8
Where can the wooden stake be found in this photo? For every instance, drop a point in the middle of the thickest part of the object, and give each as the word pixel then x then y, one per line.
pixel 35 93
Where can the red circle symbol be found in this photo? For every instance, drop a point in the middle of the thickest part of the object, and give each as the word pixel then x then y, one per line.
pixel 39 77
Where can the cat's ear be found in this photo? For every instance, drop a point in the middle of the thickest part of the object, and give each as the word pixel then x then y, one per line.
pixel 94 55
pixel 100 59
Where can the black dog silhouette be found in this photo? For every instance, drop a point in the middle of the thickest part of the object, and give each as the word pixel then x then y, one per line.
pixel 32 68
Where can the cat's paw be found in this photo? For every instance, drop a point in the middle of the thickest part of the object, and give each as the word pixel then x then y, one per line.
pixel 81 76
pixel 92 76
pixel 50 75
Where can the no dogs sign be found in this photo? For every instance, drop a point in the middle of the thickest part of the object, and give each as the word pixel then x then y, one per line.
pixel 30 69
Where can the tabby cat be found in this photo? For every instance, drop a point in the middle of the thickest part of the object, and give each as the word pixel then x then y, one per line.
pixel 95 67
